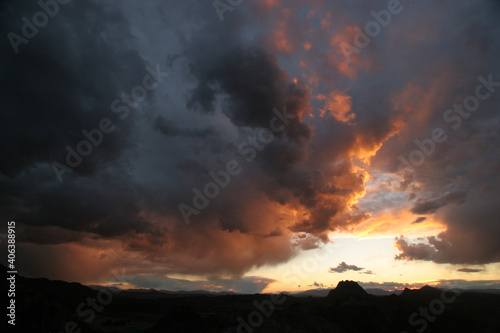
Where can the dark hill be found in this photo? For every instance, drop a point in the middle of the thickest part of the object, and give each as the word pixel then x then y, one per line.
pixel 347 289
pixel 47 306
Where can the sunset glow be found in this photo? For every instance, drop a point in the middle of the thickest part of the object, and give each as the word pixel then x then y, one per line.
pixel 261 147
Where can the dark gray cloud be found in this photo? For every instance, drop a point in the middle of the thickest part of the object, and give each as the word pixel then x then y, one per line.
pixel 387 285
pixel 470 270
pixel 470 225
pixel 317 285
pixel 414 251
pixel 64 81
pixel 169 128
pixel 343 267
pixel 246 285
pixel 443 283
pixel 428 206
pixel 250 100
pixel 419 220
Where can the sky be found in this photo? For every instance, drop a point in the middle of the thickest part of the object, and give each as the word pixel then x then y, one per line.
pixel 252 146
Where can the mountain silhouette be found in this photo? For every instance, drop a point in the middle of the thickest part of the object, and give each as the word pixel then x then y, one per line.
pixel 347 289
pixel 43 305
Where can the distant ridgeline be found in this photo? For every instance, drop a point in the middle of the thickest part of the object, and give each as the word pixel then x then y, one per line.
pixel 48 306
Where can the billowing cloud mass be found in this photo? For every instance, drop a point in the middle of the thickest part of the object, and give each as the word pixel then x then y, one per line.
pixel 268 88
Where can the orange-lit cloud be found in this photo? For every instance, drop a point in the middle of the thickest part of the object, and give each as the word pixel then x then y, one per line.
pixel 344 125
pixel 397 222
pixel 337 105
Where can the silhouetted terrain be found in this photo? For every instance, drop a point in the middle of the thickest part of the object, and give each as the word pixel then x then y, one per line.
pixel 48 306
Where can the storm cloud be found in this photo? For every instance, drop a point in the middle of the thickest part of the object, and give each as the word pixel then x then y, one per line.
pixel 348 124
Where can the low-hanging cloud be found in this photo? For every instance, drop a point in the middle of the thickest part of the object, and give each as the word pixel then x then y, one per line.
pixel 343 267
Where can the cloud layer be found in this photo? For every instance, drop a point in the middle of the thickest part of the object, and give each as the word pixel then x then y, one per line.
pixel 348 122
